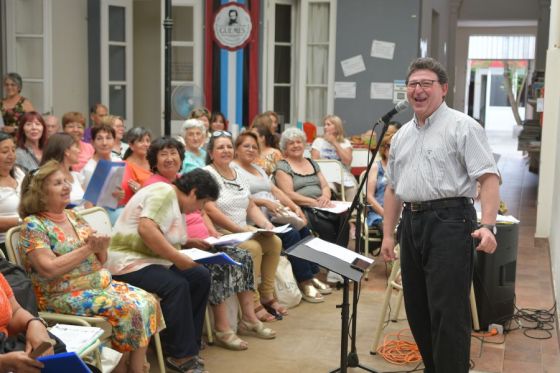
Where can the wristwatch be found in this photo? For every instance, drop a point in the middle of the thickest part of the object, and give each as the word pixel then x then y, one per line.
pixel 490 227
pixel 40 319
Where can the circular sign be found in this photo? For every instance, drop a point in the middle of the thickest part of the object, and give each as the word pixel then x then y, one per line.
pixel 232 26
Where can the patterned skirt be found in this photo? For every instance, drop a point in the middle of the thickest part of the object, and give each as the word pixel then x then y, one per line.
pixel 134 314
pixel 230 279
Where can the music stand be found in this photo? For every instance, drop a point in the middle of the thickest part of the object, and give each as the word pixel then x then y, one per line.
pixel 343 268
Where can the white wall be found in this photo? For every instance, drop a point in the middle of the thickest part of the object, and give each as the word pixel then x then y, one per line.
pixel 147 66
pixel 69 53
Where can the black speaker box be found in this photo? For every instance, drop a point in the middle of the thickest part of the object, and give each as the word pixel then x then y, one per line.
pixel 494 278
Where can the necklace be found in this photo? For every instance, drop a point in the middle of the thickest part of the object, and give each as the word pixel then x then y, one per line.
pixel 234 176
pixel 55 217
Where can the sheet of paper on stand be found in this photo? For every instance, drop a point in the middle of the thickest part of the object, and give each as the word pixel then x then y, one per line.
pixel 230 239
pixel 76 338
pixel 338 208
pixel 336 251
pixel 501 219
pixel 204 257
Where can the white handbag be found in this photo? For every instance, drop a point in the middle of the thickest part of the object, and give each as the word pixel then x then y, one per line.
pixel 285 286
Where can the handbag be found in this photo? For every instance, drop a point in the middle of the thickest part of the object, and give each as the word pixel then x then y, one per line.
pixel 285 286
pixel 326 224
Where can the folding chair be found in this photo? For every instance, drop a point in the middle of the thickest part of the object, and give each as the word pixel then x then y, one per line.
pixel 368 234
pixel 394 285
pixel 333 171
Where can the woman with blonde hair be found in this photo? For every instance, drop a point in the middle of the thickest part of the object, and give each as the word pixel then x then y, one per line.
pixel 333 145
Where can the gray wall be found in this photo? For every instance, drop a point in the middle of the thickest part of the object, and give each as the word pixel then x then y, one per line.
pixel 359 22
pixel 499 9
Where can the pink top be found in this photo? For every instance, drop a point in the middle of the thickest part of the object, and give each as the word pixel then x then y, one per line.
pixel 86 152
pixel 196 228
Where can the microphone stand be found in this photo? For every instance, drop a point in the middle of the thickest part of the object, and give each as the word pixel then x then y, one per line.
pixel 351 360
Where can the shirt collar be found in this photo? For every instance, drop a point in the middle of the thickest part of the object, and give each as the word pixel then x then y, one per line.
pixel 432 117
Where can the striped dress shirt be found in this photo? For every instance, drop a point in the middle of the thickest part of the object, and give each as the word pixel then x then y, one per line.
pixel 441 159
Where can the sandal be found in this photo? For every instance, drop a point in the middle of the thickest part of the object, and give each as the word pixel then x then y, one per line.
pixel 256 329
pixel 321 286
pixel 190 366
pixel 264 315
pixel 230 340
pixel 279 311
pixel 311 295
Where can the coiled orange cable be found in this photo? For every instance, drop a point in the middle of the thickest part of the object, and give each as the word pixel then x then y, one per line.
pixel 399 348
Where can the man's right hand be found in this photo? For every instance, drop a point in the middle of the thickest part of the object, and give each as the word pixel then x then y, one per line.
pixel 388 249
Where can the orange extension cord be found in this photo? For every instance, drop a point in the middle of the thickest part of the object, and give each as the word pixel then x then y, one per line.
pixel 399 348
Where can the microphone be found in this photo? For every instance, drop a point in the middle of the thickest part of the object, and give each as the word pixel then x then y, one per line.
pixel 400 106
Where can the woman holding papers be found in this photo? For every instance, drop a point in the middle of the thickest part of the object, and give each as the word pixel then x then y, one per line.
pixel 301 179
pixel 230 213
pixel 64 149
pixel 145 252
pixel 165 156
pixel 64 258
pixel 267 196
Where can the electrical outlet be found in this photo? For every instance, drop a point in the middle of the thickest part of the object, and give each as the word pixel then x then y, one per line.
pixel 498 327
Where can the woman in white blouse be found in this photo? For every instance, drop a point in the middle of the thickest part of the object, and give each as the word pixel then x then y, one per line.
pixel 231 212
pixel 333 145
pixel 11 177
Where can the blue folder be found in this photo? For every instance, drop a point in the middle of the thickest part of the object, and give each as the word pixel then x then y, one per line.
pixel 67 362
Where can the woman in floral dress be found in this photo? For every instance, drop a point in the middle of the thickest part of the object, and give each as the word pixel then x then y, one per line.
pixel 65 257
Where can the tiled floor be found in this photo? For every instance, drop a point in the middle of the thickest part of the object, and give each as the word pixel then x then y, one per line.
pixel 308 339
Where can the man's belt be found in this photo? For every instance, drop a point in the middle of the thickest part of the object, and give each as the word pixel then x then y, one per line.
pixel 438 204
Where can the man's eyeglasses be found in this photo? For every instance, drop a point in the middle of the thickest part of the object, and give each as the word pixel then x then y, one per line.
pixel 221 133
pixel 424 84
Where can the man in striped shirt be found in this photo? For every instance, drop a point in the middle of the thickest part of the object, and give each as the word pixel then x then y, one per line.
pixel 434 164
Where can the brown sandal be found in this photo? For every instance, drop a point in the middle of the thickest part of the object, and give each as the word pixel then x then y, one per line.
pixel 279 310
pixel 266 317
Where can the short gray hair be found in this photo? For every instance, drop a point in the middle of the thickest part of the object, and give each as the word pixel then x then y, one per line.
pixel 193 123
pixel 16 78
pixel 291 134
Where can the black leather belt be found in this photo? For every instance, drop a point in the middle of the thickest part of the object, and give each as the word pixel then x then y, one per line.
pixel 438 204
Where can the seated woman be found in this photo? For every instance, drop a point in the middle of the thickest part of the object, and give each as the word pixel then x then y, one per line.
pixel 230 212
pixel 267 195
pixel 74 124
pixel 11 177
pixel 15 319
pixel 137 169
pixel 333 145
pixel 269 154
pixel 202 114
pixel 65 258
pixel 302 181
pixel 194 136
pixel 64 149
pixel 145 252
pixel 13 105
pixel 165 156
pixel 30 140
pixel 218 122
pixel 376 184
pixel 119 146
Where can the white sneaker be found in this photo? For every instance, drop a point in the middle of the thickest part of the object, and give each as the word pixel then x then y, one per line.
pixel 333 277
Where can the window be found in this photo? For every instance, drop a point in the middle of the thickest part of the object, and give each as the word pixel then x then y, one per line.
pixel 299 60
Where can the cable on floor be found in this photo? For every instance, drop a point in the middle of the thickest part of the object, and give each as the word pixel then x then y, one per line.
pixel 399 348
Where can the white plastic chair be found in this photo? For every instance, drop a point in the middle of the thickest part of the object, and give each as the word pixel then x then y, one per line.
pixel 333 171
pixel 367 233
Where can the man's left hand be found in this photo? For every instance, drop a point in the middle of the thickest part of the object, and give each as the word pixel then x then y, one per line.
pixel 487 240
